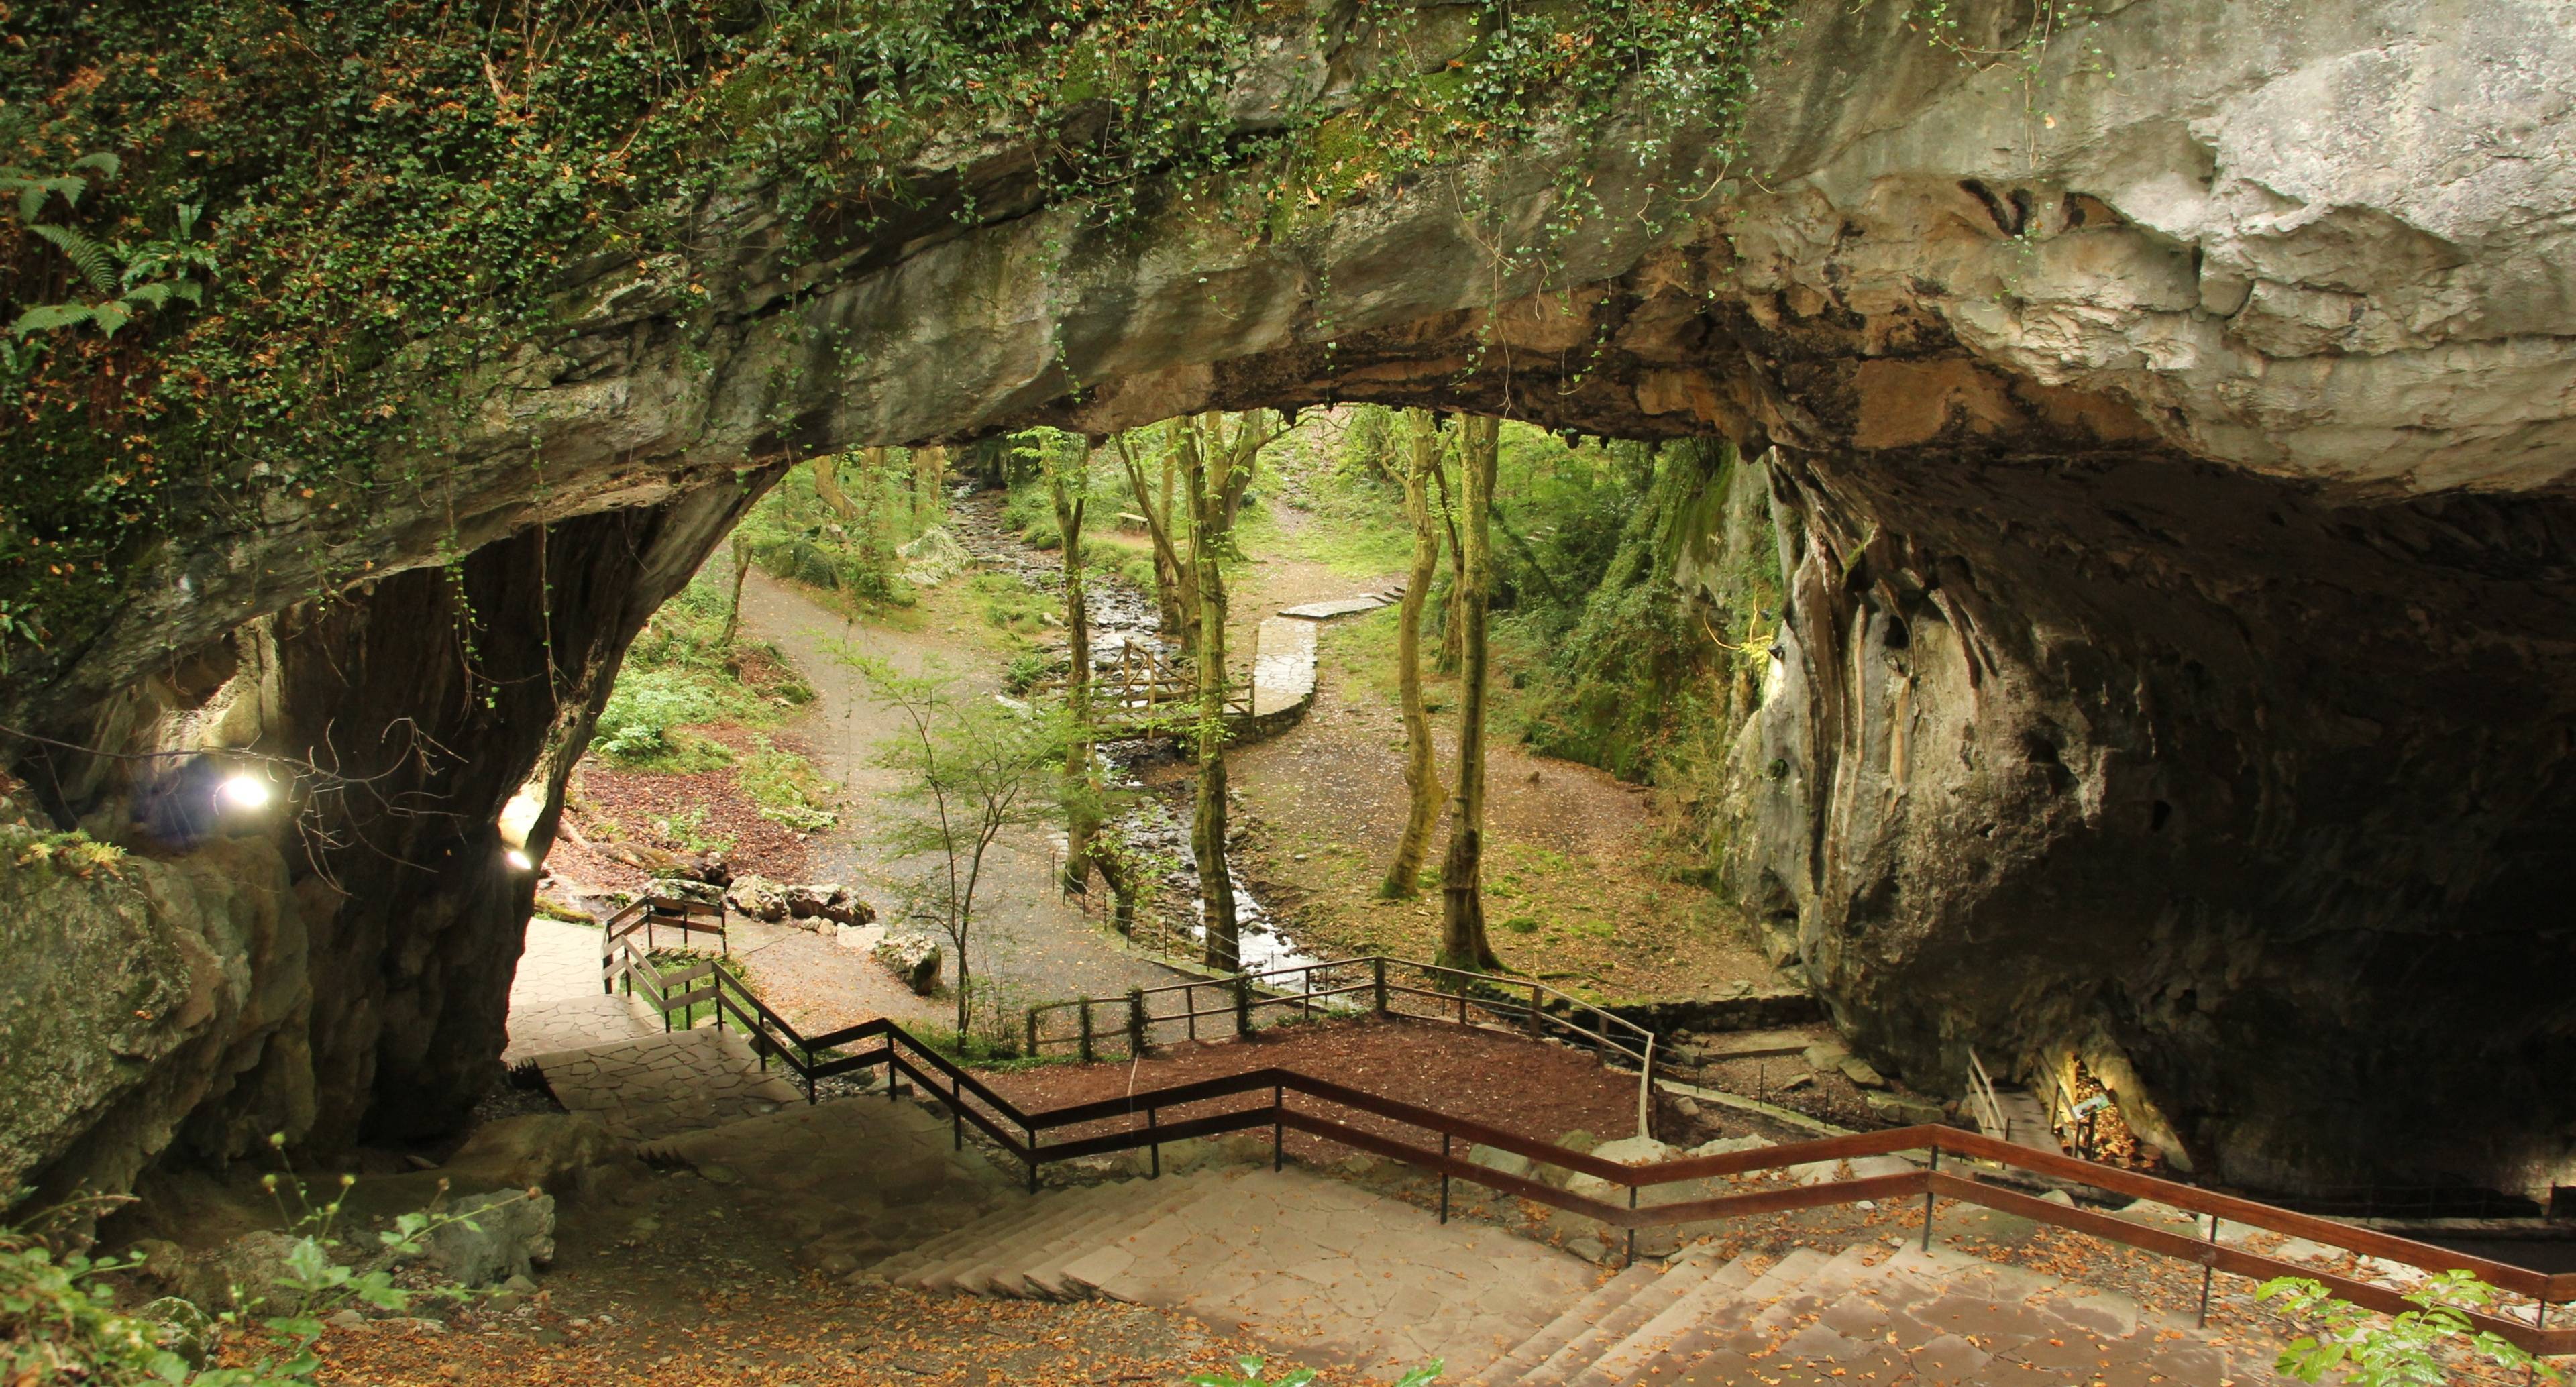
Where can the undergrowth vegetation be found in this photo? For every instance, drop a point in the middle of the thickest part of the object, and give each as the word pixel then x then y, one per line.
pixel 684 672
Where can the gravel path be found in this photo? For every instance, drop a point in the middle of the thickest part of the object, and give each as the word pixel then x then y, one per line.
pixel 1036 945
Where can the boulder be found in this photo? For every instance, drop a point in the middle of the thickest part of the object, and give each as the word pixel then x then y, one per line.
pixel 1826 1056
pixel 912 956
pixel 1904 1108
pixel 1727 1146
pixel 829 902
pixel 552 1151
pixel 1626 1151
pixel 1858 1070
pixel 1499 1161
pixel 243 1272
pixel 489 1238
pixel 678 888
pixel 757 896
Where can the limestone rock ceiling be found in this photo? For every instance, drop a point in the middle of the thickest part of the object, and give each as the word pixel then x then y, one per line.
pixel 2173 451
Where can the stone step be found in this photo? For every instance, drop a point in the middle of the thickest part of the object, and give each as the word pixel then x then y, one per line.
pixel 1685 1276
pixel 909 1269
pixel 1045 1277
pixel 1720 1300
pixel 1581 1315
pixel 1103 1212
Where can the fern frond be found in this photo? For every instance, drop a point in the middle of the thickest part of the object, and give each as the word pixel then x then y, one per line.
pixel 150 295
pixel 45 317
pixel 105 163
pixel 110 317
pixel 94 263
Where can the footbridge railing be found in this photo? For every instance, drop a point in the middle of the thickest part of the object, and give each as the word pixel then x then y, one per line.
pixel 1961 1166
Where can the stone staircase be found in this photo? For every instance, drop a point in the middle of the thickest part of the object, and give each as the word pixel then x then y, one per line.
pixel 1337 1273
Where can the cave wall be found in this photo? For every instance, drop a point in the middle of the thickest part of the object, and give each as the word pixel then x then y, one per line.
pixel 336 967
pixel 2257 791
pixel 2198 400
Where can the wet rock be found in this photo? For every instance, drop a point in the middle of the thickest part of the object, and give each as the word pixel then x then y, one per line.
pixel 758 897
pixel 1858 1070
pixel 1499 1161
pixel 1725 1146
pixel 913 956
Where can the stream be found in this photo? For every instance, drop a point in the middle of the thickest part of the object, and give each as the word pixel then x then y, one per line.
pixel 1120 616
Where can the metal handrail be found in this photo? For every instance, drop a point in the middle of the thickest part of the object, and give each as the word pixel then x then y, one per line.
pixel 905 1056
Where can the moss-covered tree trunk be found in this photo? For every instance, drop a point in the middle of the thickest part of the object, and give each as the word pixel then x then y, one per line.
pixel 741 570
pixel 1200 452
pixel 1452 627
pixel 1421 773
pixel 1462 908
pixel 1069 487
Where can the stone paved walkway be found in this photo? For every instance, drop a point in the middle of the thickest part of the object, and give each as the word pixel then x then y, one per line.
pixel 656 1085
pixel 555 998
pixel 1340 1272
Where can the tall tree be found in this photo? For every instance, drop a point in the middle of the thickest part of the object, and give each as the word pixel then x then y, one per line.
pixel 929 468
pixel 1421 773
pixel 1452 625
pixel 1175 592
pixel 1216 468
pixel 1069 487
pixel 1463 943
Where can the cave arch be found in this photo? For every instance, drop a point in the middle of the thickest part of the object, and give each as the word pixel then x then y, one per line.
pixel 2256 516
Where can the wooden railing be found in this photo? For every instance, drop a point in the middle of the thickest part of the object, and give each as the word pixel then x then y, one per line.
pixel 1328 1110
pixel 1384 985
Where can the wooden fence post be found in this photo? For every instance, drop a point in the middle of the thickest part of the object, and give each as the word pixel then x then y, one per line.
pixel 1033 1033
pixel 1135 1022
pixel 1086 1030
pixel 1378 967
pixel 1242 1005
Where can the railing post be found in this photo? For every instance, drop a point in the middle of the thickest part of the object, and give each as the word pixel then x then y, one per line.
pixel 1444 1178
pixel 1190 1007
pixel 1033 1033
pixel 1086 1030
pixel 1153 1143
pixel 2208 1270
pixel 1242 1005
pixel 1928 1197
pixel 1135 1023
pixel 1030 1134
pixel 1377 965
pixel 957 1111
pixel 1533 1011
pixel 1632 1228
pixel 1278 1128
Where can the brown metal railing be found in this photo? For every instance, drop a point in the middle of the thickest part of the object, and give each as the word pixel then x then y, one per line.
pixel 1325 1107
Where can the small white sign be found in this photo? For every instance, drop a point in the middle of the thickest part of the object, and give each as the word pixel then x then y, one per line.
pixel 2091 1105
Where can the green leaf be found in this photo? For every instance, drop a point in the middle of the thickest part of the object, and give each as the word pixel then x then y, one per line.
pixel 47 317
pixel 91 258
pixel 105 163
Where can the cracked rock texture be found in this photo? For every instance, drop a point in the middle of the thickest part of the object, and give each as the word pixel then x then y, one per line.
pixel 2170 444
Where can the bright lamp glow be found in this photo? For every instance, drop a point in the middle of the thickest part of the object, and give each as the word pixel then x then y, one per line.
pixel 518 859
pixel 246 791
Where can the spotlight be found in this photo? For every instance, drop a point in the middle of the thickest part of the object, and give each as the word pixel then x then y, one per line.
pixel 246 791
pixel 519 860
